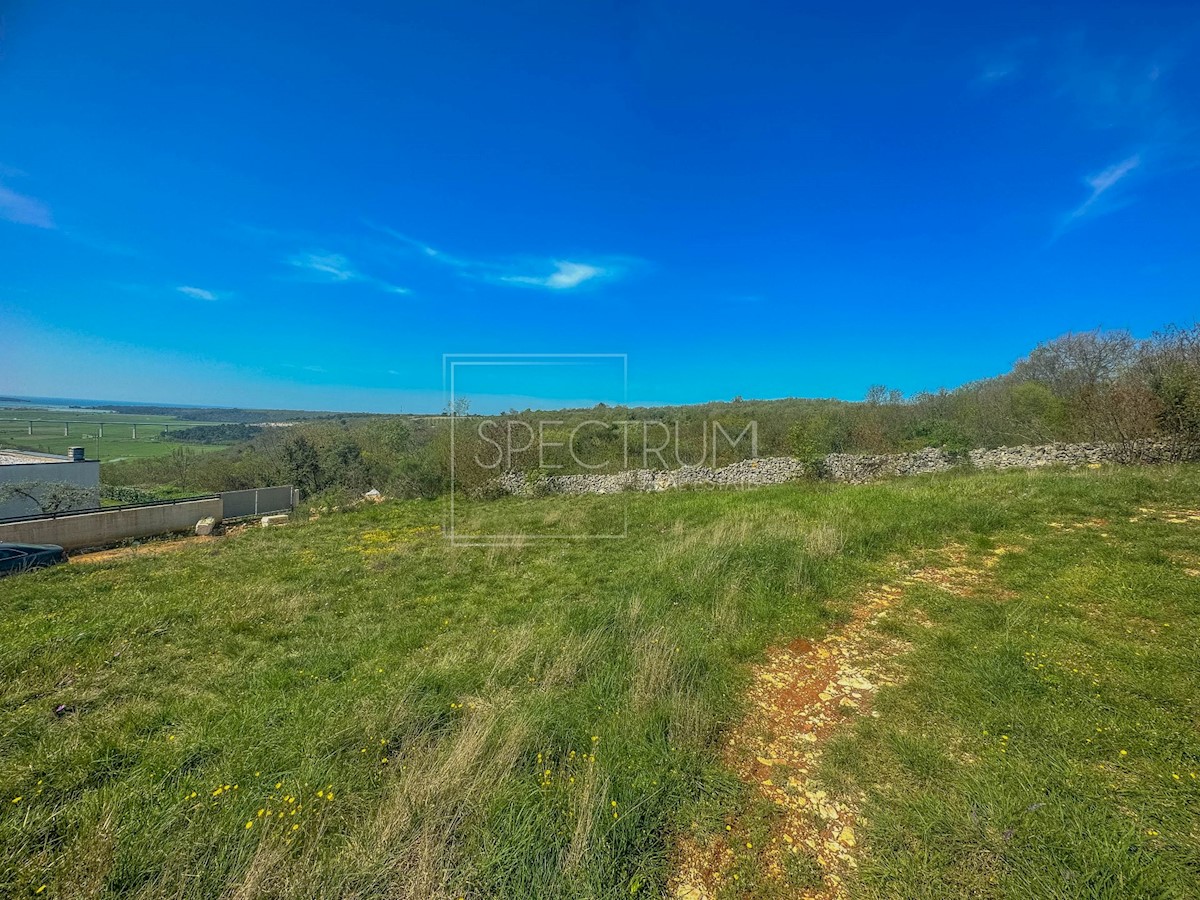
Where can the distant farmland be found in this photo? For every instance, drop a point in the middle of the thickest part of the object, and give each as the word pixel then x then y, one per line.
pixel 125 435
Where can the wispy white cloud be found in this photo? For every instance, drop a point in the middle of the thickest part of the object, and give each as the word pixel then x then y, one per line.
pixel 999 70
pixel 294 367
pixel 21 209
pixel 196 293
pixel 431 253
pixel 331 266
pixel 1112 101
pixel 549 274
pixel 334 268
pixel 1008 63
pixel 566 275
pixel 1100 184
pixel 1116 92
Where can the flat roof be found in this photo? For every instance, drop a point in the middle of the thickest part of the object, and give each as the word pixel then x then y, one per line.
pixel 19 457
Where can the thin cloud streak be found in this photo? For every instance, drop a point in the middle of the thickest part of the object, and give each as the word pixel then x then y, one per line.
pixel 21 209
pixel 334 268
pixel 332 265
pixel 1105 96
pixel 430 252
pixel 196 293
pixel 566 275
pixel 562 274
pixel 1100 184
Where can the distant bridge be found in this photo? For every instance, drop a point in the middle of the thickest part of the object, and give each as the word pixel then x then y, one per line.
pixel 99 423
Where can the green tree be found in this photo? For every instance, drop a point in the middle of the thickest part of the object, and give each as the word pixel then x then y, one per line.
pixel 302 464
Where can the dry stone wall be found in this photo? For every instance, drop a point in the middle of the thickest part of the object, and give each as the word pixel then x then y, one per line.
pixel 851 468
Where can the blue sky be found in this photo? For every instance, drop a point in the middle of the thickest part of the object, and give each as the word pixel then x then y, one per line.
pixel 308 205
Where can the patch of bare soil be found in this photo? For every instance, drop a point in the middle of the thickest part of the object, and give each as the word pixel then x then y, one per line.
pixel 1173 516
pixel 1188 562
pixel 152 548
pixel 799 696
pixel 1079 526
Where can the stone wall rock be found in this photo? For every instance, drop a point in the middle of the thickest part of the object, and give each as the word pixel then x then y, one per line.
pixel 851 468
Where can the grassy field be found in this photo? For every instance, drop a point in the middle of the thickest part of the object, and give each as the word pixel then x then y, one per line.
pixel 117 443
pixel 352 707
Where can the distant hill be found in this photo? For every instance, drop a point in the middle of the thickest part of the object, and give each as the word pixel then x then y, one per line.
pixel 231 415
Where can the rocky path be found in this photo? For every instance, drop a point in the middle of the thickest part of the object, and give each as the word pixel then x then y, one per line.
pixel 800 695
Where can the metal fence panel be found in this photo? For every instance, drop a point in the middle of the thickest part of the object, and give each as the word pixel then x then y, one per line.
pixel 257 501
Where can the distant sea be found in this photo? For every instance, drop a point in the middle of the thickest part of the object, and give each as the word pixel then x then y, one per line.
pixel 17 401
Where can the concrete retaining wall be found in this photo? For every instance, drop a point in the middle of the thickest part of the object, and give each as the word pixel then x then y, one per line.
pixel 105 527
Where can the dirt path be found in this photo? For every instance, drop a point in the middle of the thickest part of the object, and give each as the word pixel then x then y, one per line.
pixel 152 547
pixel 799 696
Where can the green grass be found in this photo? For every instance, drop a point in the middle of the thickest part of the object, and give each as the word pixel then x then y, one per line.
pixel 551 713
pixel 1045 742
pixel 83 431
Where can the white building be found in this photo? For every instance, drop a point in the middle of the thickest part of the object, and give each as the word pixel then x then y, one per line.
pixel 33 483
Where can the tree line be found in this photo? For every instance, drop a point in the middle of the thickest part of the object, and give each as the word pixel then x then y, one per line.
pixel 1092 386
